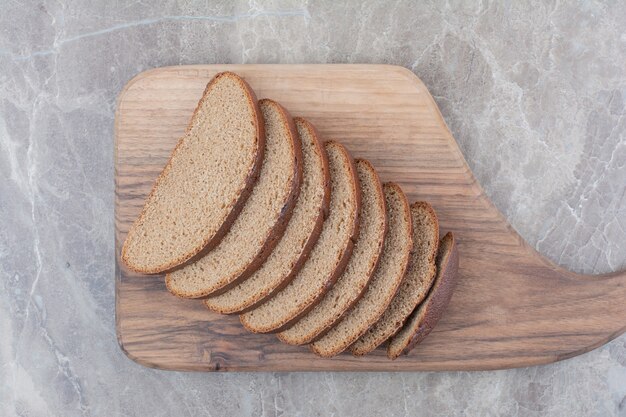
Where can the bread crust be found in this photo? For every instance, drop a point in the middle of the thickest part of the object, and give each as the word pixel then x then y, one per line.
pixel 416 206
pixel 409 222
pixel 437 300
pixel 311 240
pixel 381 206
pixel 347 252
pixel 237 203
pixel 278 229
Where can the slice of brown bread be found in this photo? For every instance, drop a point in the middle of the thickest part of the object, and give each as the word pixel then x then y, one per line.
pixel 419 276
pixel 386 280
pixel 300 235
pixel 328 258
pixel 261 222
pixel 353 282
pixel 428 313
pixel 205 183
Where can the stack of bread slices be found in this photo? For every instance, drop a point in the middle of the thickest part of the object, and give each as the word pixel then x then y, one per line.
pixel 257 216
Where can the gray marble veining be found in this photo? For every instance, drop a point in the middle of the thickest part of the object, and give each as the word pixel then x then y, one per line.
pixel 534 92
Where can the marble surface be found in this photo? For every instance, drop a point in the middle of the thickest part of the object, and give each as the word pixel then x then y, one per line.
pixel 534 92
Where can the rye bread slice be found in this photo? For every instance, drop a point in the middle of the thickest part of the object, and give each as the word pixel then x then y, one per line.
pixel 386 280
pixel 300 235
pixel 418 279
pixel 328 258
pixel 218 158
pixel 261 222
pixel 428 313
pixel 353 282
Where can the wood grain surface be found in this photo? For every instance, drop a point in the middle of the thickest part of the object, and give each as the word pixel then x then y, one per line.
pixel 511 307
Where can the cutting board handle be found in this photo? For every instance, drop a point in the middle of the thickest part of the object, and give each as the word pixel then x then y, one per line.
pixel 541 306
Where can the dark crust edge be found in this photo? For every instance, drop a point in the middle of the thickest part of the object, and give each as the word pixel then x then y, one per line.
pixel 276 232
pixel 409 220
pixel 438 297
pixel 347 251
pixel 431 260
pixel 237 204
pixel 381 201
pixel 311 240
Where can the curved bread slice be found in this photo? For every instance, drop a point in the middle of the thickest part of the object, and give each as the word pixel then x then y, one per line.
pixel 426 316
pixel 261 222
pixel 300 235
pixel 386 280
pixel 418 279
pixel 204 185
pixel 353 282
pixel 328 258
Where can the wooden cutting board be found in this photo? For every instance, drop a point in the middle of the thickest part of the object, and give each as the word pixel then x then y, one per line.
pixel 511 307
